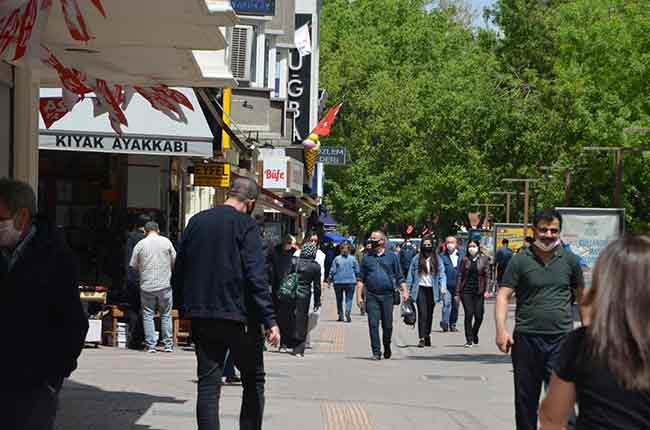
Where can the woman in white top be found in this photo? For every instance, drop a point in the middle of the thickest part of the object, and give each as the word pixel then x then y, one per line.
pixel 427 283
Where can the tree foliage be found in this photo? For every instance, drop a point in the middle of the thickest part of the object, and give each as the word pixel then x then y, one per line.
pixel 437 113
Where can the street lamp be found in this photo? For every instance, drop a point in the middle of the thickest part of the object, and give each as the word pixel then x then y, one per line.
pixel 508 195
pixel 527 182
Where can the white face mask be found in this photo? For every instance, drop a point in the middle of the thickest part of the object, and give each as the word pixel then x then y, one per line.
pixel 473 251
pixel 9 236
pixel 546 248
pixel 451 247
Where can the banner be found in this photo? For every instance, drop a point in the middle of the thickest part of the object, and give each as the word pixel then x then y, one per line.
pixel 586 232
pixel 513 232
pixel 274 175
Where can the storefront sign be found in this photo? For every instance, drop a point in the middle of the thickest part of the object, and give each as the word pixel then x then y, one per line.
pixel 274 175
pixel 513 232
pixel 300 87
pixel 125 144
pixel 586 232
pixel 333 155
pixel 296 175
pixel 254 7
pixel 215 175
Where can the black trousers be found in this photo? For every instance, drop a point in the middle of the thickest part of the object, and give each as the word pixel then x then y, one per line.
pixel 379 309
pixel 30 408
pixel 533 357
pixel 474 306
pixel 299 325
pixel 425 305
pixel 213 338
pixel 134 317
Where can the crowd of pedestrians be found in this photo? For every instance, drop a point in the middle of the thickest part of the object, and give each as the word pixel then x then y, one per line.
pixel 241 297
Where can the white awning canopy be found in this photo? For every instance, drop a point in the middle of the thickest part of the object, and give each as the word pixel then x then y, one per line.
pixel 149 132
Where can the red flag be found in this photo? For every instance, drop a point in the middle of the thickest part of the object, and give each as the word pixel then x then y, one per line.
pixel 324 127
pixel 52 109
pixel 27 23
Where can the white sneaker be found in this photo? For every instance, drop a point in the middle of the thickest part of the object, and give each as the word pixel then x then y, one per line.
pixel 169 349
pixel 151 350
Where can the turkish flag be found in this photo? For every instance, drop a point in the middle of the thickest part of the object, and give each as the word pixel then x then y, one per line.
pixel 52 109
pixel 324 127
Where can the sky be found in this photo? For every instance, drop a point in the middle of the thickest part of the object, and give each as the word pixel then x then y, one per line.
pixel 479 5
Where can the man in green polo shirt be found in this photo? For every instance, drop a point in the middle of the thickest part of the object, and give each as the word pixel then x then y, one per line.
pixel 546 279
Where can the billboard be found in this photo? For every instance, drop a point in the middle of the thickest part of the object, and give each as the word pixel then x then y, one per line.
pixel 587 231
pixel 513 232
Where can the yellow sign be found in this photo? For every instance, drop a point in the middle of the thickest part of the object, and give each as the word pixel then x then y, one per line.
pixel 514 234
pixel 215 175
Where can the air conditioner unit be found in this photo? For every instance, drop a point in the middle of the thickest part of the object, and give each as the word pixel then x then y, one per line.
pixel 241 49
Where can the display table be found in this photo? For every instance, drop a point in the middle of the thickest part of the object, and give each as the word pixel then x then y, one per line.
pixel 116 312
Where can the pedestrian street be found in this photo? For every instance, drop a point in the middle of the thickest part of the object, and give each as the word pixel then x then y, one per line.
pixel 335 387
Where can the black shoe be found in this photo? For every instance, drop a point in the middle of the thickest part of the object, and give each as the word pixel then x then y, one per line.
pixel 421 343
pixel 427 341
pixel 387 353
pixel 475 340
pixel 444 327
pixel 348 318
pixel 376 357
pixel 233 380
pixel 340 319
pixel 453 328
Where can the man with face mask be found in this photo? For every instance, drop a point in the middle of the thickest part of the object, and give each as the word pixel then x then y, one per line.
pixel 220 282
pixel 38 272
pixel 380 274
pixel 451 259
pixel 545 278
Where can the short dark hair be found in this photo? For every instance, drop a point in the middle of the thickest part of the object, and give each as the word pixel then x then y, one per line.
pixel 151 226
pixel 243 189
pixel 505 242
pixel 548 215
pixel 17 195
pixel 529 240
pixel 142 220
pixel 619 298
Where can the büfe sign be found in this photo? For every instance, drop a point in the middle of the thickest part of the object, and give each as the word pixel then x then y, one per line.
pixel 274 175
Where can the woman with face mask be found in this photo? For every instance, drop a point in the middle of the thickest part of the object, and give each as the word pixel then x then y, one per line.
pixel 344 275
pixel 472 282
pixel 427 283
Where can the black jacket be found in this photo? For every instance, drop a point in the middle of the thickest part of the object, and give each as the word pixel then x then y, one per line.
pixel 220 270
pixel 42 312
pixel 309 276
pixel 280 265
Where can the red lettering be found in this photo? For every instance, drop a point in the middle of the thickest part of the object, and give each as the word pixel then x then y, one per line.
pixel 275 174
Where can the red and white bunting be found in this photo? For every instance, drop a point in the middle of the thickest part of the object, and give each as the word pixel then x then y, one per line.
pixel 9 26
pixel 52 109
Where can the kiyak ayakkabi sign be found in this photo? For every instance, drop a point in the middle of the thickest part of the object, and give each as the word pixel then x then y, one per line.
pixel 126 144
pixel 586 232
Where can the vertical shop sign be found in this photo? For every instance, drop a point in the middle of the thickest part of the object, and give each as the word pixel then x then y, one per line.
pixel 300 86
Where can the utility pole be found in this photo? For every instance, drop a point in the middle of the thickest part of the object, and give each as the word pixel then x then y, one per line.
pixel 487 209
pixel 527 182
pixel 568 177
pixel 508 195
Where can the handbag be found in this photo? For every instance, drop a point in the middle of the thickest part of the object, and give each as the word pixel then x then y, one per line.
pixel 397 297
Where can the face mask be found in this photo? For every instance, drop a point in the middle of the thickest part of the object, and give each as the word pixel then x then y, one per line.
pixel 473 251
pixel 375 244
pixel 250 209
pixel 546 248
pixel 427 248
pixel 451 247
pixel 9 236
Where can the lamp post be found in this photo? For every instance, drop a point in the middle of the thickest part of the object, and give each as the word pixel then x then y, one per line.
pixel 508 195
pixel 527 182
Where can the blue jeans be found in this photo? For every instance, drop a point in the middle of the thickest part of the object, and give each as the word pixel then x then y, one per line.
pixel 533 358
pixel 340 289
pixel 163 300
pixel 449 309
pixel 379 308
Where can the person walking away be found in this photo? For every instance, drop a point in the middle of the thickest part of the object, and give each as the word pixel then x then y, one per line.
pixel 380 273
pixel 406 254
pixel 37 270
pixel 281 263
pixel 309 279
pixel 427 282
pixel 153 257
pixel 220 284
pixel 344 274
pixel 316 294
pixel 605 365
pixel 472 283
pixel 451 258
pixel 502 258
pixel 134 317
pixel 544 278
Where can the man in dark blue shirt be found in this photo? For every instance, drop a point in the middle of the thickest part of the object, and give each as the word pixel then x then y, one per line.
pixel 503 256
pixel 380 274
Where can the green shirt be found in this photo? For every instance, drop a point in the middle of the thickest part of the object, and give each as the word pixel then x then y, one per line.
pixel 544 292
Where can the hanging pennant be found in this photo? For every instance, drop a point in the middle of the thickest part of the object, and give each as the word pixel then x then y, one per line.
pixel 52 109
pixel 75 20
pixel 27 23
pixel 9 26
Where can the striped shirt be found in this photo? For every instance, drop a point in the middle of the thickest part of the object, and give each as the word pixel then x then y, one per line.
pixel 154 258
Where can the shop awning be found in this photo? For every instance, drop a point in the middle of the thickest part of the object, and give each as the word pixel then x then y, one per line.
pixel 150 132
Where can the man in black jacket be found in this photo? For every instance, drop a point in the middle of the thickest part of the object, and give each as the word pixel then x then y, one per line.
pixel 41 307
pixel 220 283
